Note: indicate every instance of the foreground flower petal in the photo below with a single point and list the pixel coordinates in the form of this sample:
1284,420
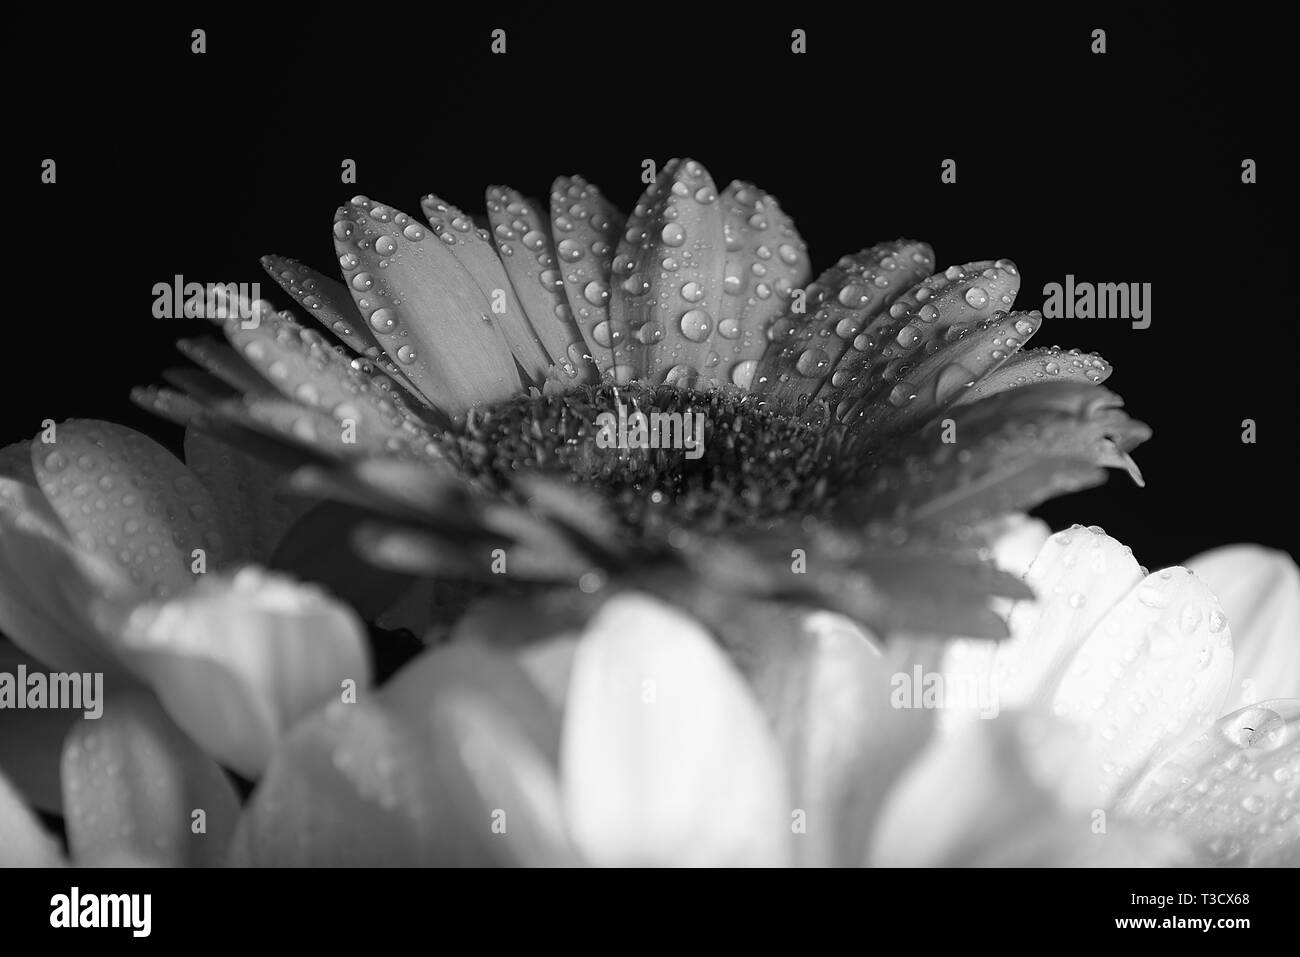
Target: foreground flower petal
976,799
46,588
826,688
23,842
1234,790
1156,666
237,660
666,758
135,785
127,500
1260,592
350,786
33,739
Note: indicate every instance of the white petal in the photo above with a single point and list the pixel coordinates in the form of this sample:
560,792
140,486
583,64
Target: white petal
349,786
132,782
48,592
666,758
494,740
237,660
1260,592
1017,540
1234,790
1156,666
975,799
828,690
505,792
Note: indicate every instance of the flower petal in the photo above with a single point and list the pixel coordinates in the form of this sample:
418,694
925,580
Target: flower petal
766,262
845,303
1012,451
1156,666
128,501
47,592
895,341
133,784
585,227
237,660
662,319
306,369
968,353
1039,365
524,239
1079,575
505,791
251,495
423,307
472,667
32,740
826,687
1260,592
666,756
976,798
350,786
1234,790
473,249
23,841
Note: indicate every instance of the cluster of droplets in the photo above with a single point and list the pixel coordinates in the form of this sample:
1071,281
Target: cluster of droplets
1235,790
528,248
695,276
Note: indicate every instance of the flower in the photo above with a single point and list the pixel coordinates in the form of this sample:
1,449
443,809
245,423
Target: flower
457,410
441,465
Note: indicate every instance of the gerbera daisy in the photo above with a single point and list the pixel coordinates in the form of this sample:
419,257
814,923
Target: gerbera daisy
856,430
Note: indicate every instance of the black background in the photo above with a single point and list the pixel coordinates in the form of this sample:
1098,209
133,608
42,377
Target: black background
1124,167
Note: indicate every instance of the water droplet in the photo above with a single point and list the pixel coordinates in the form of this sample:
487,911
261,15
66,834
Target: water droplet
742,374
673,235
696,325
812,362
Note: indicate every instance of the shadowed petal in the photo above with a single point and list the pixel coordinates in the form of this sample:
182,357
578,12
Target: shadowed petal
33,739
133,785
1008,452
23,842
890,347
253,503
1039,365
666,756
967,354
1260,592
845,303
306,369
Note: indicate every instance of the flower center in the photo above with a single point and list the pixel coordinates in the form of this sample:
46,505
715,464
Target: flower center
712,459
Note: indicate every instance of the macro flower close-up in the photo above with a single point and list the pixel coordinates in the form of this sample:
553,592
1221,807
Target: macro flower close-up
602,510
646,535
